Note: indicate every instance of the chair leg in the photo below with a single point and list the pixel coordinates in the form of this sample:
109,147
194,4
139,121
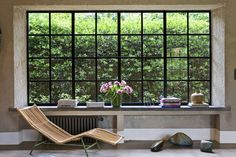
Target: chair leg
82,141
98,146
35,144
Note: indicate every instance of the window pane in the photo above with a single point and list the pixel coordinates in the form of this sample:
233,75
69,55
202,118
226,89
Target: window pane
199,23
130,23
61,90
107,46
153,69
131,69
177,69
136,96
199,69
152,90
107,23
61,46
176,23
85,69
178,89
131,46
39,69
104,50
107,69
61,69
176,46
199,46
84,91
85,23
153,46
39,92
85,46
61,23
39,23
38,46
200,86
153,23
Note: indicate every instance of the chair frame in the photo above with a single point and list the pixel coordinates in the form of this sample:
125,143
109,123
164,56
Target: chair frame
37,120
86,147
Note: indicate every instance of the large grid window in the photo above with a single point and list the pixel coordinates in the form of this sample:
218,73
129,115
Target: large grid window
158,53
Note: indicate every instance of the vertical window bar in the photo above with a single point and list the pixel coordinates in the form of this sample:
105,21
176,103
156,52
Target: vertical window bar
165,53
96,56
210,33
142,93
50,59
73,53
119,45
188,88
27,48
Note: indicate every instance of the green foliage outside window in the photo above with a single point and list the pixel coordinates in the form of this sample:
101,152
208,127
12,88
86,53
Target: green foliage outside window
53,37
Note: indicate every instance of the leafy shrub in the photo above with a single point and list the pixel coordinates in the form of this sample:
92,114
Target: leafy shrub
60,43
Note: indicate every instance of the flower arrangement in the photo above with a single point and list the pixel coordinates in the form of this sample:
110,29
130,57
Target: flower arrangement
115,90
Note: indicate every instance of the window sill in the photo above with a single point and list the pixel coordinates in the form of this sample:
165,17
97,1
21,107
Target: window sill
132,110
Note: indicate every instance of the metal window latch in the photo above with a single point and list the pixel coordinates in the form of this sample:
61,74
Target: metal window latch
235,74
0,36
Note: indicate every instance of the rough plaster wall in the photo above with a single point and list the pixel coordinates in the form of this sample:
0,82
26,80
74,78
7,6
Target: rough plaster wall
110,2
218,57
162,122
169,122
228,119
9,121
20,59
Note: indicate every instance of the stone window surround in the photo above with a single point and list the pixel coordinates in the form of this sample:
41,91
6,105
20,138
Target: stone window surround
218,44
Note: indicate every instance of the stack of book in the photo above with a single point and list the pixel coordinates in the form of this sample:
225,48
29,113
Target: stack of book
171,102
67,103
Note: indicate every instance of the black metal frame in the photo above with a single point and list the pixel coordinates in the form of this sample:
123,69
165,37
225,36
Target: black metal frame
119,57
86,147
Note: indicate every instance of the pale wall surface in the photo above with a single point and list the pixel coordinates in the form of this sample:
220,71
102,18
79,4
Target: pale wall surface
9,120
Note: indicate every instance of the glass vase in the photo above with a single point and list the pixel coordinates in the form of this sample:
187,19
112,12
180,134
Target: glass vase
116,101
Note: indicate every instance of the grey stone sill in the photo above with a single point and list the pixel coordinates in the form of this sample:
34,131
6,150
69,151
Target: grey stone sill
132,108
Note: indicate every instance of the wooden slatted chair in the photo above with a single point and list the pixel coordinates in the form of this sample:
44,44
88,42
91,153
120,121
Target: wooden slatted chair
36,119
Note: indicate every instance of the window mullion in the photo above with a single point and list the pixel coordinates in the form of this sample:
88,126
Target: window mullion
142,92
50,60
165,53
119,45
188,85
96,56
27,47
210,32
73,54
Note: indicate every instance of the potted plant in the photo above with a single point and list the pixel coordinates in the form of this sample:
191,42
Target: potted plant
115,90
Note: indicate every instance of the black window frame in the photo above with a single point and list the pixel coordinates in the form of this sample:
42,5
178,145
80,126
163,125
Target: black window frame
119,58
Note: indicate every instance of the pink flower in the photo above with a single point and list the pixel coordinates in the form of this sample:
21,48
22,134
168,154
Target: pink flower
104,88
110,85
123,83
115,88
120,92
117,83
128,89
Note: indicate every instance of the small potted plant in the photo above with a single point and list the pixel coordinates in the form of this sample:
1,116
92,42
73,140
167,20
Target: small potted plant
115,90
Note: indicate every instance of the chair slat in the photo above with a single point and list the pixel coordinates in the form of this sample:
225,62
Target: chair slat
37,119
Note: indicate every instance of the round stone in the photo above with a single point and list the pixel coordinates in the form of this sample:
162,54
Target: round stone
181,139
157,146
206,146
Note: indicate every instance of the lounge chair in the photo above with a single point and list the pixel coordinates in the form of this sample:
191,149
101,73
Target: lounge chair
36,119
